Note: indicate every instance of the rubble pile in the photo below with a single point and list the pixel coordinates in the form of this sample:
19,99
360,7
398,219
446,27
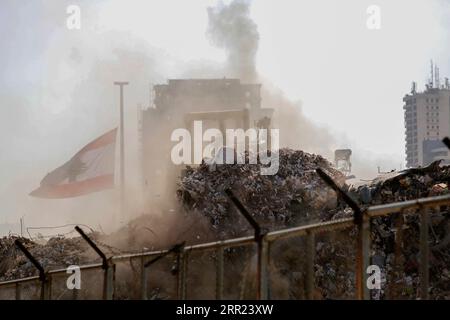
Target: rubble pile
401,259
404,185
297,192
57,252
293,195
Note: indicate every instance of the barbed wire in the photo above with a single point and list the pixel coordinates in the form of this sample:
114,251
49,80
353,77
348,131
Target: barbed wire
57,227
111,249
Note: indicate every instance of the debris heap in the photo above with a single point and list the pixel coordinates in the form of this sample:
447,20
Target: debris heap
395,238
406,185
57,252
294,194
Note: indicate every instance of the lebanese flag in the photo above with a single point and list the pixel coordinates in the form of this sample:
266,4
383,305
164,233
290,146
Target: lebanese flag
90,170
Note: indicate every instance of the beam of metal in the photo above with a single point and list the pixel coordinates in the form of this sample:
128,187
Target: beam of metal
47,288
18,291
109,282
44,279
362,221
32,259
145,265
182,262
424,255
121,84
259,238
363,258
144,280
244,212
390,208
320,227
393,285
342,194
93,246
310,256
219,273
75,294
176,248
108,271
263,269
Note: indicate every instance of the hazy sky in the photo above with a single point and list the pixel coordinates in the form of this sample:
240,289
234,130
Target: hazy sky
56,88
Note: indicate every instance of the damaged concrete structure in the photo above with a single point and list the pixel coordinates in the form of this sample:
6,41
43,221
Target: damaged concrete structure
218,103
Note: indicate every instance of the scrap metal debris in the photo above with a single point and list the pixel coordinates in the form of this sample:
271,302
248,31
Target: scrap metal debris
296,195
395,238
57,252
293,195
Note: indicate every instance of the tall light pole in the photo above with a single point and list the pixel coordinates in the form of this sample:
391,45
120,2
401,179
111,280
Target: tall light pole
121,84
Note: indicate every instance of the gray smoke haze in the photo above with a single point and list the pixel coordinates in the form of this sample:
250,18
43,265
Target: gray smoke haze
72,100
231,29
57,98
57,94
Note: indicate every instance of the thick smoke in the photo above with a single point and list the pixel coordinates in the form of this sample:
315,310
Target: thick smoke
75,100
231,29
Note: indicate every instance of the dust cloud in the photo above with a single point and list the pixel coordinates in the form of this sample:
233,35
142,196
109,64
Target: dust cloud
75,101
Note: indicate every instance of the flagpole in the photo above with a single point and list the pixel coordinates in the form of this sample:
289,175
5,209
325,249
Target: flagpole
121,84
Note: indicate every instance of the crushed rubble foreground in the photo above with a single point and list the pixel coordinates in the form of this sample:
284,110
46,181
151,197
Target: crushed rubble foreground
55,253
296,195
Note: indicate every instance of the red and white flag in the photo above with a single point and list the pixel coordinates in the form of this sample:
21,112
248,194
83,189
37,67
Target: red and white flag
90,170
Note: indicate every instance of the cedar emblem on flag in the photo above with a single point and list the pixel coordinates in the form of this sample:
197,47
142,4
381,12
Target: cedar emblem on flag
90,170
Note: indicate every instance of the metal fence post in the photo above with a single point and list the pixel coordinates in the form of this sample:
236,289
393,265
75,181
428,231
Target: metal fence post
424,254
363,258
261,268
18,291
43,277
47,288
144,276
398,254
144,280
182,261
109,280
219,273
362,221
109,269
75,294
310,255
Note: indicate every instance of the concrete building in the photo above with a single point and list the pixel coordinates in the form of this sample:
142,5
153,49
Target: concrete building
207,94
427,122
218,103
